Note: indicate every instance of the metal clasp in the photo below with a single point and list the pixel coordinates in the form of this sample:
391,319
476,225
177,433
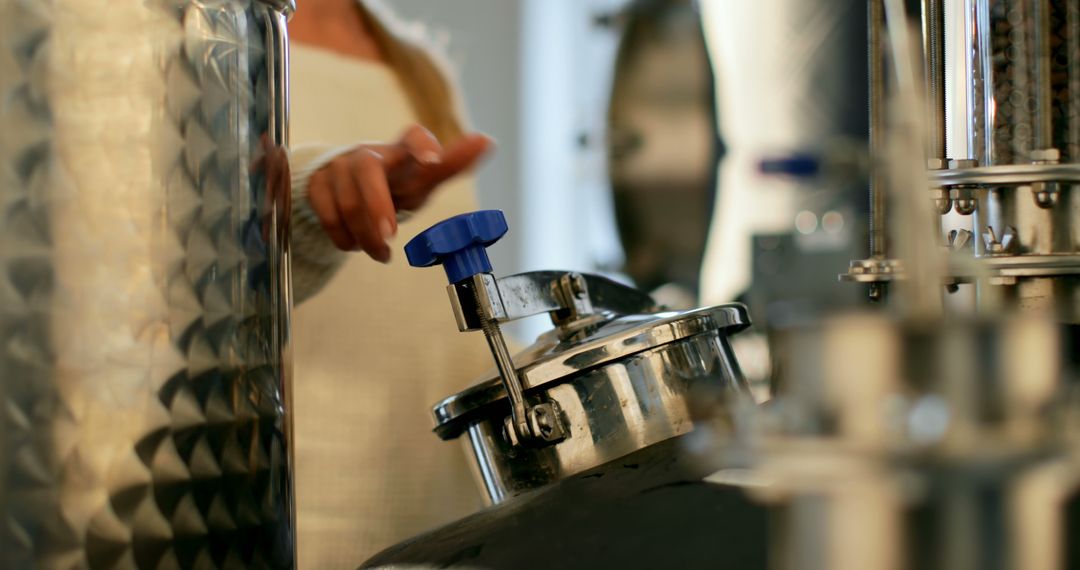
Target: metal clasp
572,300
540,424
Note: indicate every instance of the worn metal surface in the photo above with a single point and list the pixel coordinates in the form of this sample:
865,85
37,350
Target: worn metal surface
143,285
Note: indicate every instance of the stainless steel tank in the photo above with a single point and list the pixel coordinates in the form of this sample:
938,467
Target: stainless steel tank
627,383
656,107
613,377
144,289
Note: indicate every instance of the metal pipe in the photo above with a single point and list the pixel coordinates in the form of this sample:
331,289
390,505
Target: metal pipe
878,243
1042,89
503,361
917,227
934,29
1072,27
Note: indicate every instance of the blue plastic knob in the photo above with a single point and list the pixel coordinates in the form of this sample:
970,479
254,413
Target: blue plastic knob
459,244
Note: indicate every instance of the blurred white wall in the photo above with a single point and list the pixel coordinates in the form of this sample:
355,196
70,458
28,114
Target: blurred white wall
483,38
567,68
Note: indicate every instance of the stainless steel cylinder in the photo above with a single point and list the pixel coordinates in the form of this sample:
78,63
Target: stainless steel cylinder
631,383
144,290
1024,82
1025,74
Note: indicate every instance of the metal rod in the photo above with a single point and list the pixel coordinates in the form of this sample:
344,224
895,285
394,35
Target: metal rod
505,364
917,226
878,244
934,29
1072,27
1042,87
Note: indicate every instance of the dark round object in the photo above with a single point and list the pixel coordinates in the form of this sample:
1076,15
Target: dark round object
650,509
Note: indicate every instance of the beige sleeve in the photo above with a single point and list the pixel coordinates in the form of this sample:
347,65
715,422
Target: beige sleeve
315,258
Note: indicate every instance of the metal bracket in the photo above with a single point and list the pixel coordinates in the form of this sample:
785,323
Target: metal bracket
484,302
546,426
566,296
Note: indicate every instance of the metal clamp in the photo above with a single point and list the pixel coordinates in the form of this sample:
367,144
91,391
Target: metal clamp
568,297
573,300
482,302
539,424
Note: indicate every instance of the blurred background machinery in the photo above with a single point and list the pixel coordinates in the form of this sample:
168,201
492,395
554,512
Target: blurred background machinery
939,429
664,146
923,417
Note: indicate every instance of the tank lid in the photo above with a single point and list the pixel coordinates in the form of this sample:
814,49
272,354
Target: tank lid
551,360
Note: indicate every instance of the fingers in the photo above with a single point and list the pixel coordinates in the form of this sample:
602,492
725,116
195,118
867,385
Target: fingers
367,205
416,146
459,157
412,184
357,194
323,200
422,146
351,198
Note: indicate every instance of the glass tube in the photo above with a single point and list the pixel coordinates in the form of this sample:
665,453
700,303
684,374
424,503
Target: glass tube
1025,80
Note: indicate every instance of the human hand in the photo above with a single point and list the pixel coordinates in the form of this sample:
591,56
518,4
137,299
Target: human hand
357,195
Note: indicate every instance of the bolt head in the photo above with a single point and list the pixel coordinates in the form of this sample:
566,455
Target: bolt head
1046,194
966,207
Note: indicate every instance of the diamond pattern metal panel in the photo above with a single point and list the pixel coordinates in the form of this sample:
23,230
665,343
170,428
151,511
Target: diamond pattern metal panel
142,279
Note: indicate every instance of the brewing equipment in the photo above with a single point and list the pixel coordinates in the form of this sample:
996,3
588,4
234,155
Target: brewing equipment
144,290
932,434
613,377
922,432
1013,182
885,446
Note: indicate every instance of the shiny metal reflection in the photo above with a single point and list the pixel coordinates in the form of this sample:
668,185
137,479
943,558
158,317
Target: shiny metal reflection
144,290
675,368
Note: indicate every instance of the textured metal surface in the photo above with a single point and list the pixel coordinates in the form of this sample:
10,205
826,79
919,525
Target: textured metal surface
143,285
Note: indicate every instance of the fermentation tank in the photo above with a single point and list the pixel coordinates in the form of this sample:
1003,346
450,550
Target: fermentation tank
144,289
